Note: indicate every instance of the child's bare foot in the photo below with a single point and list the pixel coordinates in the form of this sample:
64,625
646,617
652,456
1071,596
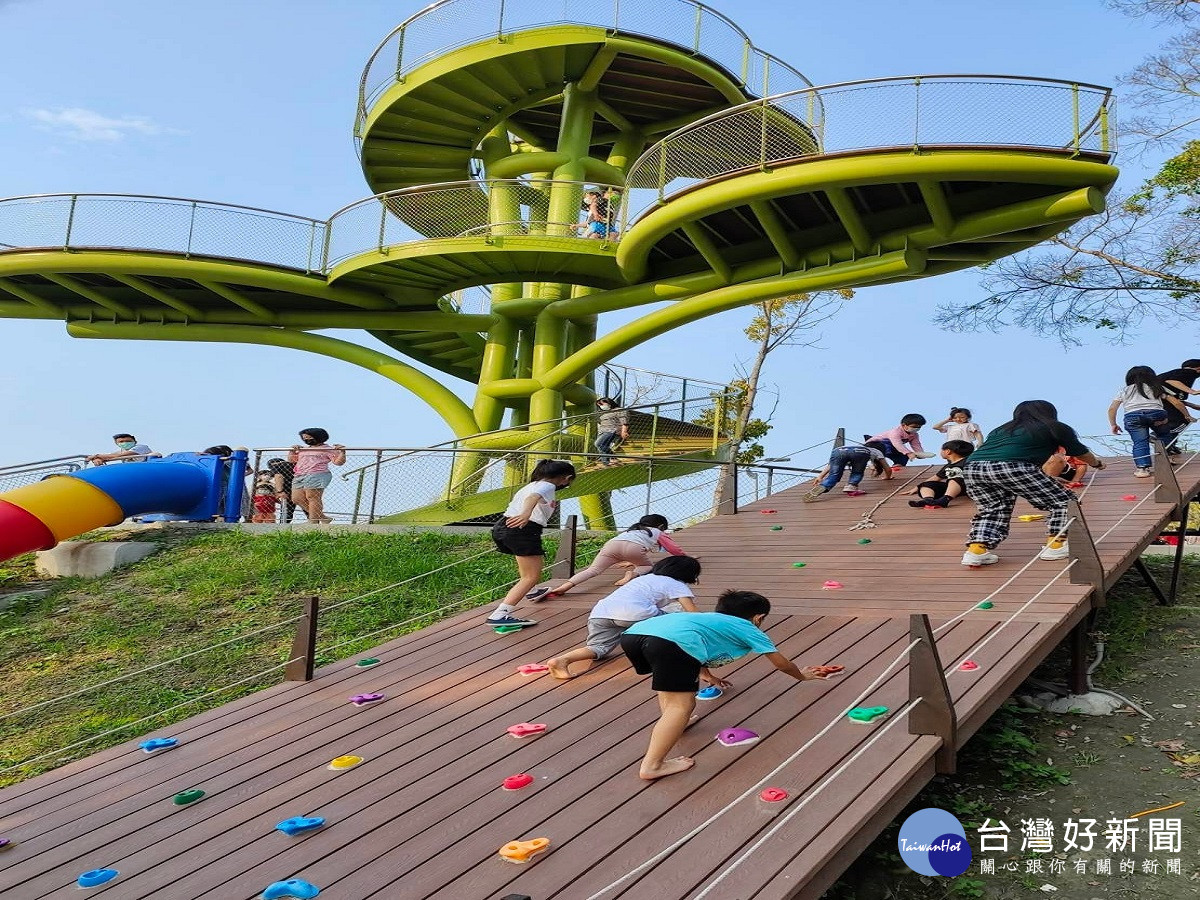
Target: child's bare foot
624,580
559,669
668,767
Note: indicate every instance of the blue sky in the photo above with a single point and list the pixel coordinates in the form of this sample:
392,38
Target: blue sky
253,103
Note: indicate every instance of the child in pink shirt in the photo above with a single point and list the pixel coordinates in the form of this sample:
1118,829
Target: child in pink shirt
900,444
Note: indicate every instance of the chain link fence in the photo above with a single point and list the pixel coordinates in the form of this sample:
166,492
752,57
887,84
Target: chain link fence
906,113
451,24
12,477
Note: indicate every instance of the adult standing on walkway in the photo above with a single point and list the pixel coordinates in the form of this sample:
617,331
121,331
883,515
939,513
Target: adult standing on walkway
612,430
1008,466
312,475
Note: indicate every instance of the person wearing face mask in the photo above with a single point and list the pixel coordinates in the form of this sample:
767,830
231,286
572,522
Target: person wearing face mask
128,450
312,475
613,429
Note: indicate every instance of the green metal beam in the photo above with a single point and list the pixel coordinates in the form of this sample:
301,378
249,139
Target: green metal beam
237,299
709,250
453,411
114,306
776,233
850,218
145,287
32,299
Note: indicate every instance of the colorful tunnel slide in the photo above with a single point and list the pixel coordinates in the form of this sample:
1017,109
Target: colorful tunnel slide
183,486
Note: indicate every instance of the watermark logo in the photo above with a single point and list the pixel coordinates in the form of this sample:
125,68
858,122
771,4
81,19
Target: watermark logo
933,842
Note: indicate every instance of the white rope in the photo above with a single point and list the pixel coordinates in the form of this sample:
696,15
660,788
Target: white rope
161,712
1148,497
667,851
128,675
457,562
866,520
811,795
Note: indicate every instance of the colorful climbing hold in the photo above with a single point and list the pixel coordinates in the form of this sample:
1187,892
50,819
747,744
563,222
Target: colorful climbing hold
533,669
986,604
1129,497
507,629
4,842
968,665
300,824
1031,517
367,663
799,565
867,715
157,745
777,528
855,493
516,782
293,887
831,585
864,540
525,729
524,851
737,737
96,877
712,692
364,699
342,763
183,798
768,512
773,795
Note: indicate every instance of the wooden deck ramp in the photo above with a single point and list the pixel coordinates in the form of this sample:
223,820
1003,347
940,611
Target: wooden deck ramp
424,815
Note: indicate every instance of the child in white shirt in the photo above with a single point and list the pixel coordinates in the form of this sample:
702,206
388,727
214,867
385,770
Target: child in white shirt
958,427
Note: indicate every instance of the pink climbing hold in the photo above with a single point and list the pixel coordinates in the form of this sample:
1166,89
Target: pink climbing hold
526,729
1129,497
969,665
533,669
773,795
516,782
831,585
855,493
768,512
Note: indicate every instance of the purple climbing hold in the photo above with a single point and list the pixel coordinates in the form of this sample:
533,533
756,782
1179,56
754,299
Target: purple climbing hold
364,699
736,737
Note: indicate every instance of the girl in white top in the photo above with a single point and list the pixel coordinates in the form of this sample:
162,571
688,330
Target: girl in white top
644,597
519,533
1144,400
631,549
958,427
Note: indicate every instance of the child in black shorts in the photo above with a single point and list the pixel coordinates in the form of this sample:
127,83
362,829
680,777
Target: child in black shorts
677,650
948,482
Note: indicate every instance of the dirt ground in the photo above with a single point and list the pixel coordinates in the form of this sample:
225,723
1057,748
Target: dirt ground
1077,767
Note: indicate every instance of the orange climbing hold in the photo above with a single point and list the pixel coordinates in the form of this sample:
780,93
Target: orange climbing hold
524,851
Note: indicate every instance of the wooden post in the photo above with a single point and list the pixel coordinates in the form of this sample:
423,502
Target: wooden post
935,713
1185,513
1164,477
839,439
304,645
1087,569
568,544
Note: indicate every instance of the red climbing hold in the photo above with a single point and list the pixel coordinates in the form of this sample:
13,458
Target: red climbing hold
773,795
969,665
1129,497
768,512
525,729
516,782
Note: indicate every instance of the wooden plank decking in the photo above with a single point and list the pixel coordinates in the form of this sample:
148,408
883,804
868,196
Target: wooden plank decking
424,815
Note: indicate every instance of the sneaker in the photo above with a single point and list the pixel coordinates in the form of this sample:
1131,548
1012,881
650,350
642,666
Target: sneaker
916,504
925,455
509,621
852,489
1048,552
538,594
975,560
941,502
814,494
1142,473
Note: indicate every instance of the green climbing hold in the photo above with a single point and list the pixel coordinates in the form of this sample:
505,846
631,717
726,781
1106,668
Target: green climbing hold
986,604
366,663
864,540
777,528
798,565
183,798
867,714
507,629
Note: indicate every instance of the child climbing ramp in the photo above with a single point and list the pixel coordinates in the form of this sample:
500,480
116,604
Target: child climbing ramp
632,549
646,596
856,459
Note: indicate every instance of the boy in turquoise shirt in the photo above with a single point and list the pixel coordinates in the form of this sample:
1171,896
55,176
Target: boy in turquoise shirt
677,650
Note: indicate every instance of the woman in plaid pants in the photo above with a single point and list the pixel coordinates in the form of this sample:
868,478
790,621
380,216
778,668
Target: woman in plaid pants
1008,466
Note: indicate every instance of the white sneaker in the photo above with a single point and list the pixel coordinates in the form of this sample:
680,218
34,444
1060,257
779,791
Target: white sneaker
975,560
1142,473
1048,552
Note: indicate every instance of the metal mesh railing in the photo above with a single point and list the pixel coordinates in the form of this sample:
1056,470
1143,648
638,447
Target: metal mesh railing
912,112
495,207
165,224
450,24
21,474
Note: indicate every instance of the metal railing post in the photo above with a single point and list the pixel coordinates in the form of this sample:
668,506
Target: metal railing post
917,115
375,487
653,431
500,22
187,253
696,35
304,644
935,713
70,222
358,492
1075,114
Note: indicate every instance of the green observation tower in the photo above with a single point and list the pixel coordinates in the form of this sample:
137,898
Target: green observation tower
725,178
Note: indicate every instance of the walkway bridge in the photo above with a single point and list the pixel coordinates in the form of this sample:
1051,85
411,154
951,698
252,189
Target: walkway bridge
424,815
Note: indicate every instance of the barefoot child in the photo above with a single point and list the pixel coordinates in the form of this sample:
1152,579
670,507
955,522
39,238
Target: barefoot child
631,548
679,649
644,597
948,482
519,533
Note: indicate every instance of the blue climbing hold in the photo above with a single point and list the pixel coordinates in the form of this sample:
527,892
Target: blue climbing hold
293,887
96,877
712,692
155,744
298,824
